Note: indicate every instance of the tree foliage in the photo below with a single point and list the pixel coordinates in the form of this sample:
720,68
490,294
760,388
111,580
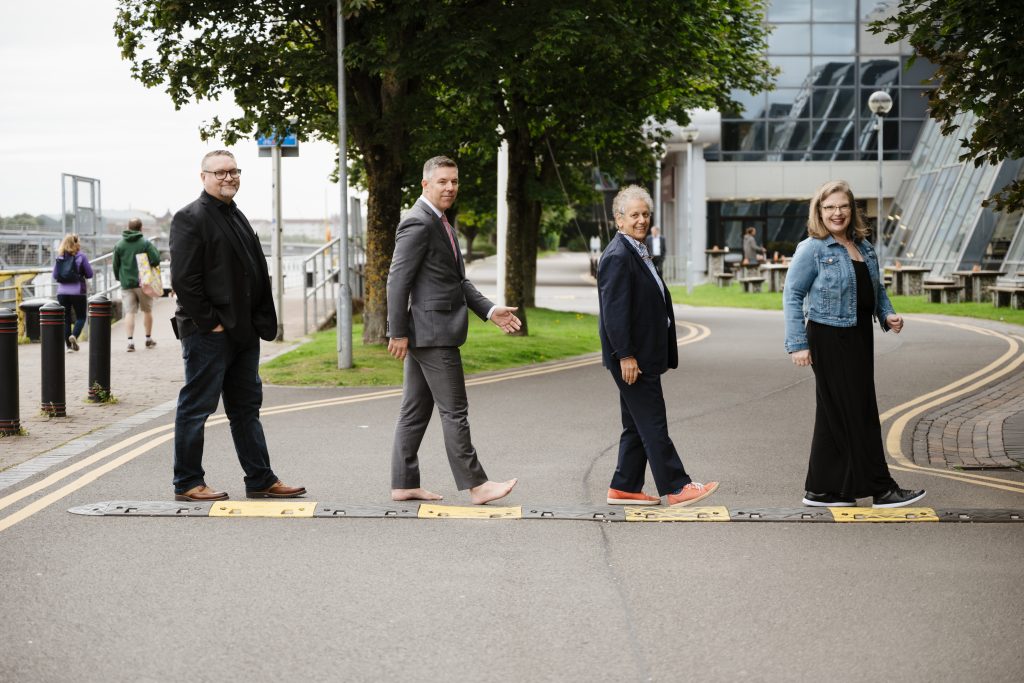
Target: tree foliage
976,45
570,84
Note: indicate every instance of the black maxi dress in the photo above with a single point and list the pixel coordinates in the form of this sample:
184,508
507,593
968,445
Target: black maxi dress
847,456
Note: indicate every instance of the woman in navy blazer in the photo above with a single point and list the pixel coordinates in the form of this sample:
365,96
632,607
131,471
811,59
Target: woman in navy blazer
638,344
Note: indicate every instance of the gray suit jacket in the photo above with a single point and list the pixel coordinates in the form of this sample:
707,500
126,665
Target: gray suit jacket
428,292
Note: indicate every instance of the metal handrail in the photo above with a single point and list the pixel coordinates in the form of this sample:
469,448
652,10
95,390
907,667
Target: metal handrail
321,271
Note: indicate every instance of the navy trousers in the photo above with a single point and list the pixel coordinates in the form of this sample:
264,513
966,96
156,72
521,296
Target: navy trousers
215,367
645,438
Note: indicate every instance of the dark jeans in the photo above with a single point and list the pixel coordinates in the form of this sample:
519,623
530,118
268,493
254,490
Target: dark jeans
74,309
216,366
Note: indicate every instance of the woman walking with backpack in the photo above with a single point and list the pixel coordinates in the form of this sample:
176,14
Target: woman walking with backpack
70,270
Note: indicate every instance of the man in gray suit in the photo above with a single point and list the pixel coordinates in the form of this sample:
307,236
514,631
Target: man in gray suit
428,295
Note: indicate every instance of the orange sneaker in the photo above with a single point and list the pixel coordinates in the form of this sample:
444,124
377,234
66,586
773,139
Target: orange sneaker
691,493
617,497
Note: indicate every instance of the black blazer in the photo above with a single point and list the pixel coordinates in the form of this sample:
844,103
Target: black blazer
210,273
428,292
633,316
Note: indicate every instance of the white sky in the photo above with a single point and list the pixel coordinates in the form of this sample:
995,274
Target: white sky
68,104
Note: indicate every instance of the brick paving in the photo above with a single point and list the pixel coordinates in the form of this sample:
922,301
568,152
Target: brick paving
970,433
145,384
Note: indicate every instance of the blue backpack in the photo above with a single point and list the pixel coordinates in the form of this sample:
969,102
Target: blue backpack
67,272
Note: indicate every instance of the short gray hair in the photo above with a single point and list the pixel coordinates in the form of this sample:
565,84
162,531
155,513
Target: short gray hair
215,153
628,194
435,163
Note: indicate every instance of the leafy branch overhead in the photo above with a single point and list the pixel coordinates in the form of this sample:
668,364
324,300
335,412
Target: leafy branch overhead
977,47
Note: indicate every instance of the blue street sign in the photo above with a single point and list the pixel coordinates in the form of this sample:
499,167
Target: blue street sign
290,140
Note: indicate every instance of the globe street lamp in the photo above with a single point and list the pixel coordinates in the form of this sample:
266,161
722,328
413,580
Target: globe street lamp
879,103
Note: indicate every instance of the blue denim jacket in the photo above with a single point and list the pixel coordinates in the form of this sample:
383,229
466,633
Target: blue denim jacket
821,286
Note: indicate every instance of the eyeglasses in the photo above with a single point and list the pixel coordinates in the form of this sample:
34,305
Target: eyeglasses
841,208
220,175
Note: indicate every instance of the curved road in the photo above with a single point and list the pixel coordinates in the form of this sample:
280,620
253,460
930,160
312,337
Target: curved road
154,599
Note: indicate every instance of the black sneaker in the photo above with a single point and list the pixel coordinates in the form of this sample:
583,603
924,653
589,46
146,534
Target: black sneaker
897,498
827,500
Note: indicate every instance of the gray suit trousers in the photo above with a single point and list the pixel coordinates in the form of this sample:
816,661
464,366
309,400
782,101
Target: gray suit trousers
434,376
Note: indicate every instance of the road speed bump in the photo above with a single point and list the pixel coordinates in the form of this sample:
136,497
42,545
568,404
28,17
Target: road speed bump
671,514
475,512
884,514
248,508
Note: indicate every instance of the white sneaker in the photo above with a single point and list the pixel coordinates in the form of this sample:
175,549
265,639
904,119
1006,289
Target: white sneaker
73,342
131,347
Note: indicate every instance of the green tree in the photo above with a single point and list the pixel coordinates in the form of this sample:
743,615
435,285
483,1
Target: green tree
279,60
578,79
976,45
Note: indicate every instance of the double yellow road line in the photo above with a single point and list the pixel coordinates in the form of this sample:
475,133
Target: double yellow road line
902,415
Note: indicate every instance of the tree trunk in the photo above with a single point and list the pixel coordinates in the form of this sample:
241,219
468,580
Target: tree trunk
383,209
520,172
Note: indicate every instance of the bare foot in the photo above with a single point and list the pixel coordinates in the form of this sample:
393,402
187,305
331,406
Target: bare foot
414,494
491,490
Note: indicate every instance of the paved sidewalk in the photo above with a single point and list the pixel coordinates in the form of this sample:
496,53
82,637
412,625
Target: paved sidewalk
145,384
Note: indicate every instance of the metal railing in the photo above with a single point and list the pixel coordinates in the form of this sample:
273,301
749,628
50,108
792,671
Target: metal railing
320,281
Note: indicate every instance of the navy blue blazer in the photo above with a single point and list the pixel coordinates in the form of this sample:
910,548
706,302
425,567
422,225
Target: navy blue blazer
633,315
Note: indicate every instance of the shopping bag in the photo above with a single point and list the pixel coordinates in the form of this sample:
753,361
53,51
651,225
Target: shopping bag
149,277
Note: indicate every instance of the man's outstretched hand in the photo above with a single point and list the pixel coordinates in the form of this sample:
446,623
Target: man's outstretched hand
504,318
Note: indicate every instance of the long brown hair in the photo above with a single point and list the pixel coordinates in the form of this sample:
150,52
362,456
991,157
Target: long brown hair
69,246
856,230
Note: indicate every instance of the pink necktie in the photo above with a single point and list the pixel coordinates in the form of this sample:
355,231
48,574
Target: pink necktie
448,228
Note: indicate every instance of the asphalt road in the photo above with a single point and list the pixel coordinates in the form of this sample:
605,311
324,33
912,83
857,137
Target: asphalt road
155,599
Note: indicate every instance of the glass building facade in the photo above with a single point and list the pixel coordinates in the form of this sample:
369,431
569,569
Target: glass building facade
937,219
829,64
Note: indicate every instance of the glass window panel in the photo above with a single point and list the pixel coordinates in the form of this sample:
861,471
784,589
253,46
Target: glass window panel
833,103
789,10
834,135
913,103
752,105
871,43
743,135
834,10
879,71
909,132
789,39
789,135
740,208
790,207
837,39
920,73
794,71
782,234
788,103
834,70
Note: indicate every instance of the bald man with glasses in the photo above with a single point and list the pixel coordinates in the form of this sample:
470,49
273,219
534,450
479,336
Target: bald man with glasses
225,307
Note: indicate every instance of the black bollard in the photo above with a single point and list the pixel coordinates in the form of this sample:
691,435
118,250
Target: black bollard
99,348
51,334
10,418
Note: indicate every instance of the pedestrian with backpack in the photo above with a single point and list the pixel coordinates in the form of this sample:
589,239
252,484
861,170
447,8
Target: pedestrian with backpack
71,269
126,270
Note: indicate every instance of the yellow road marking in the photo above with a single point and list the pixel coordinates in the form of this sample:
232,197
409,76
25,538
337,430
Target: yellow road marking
252,508
884,514
1011,360
462,512
714,513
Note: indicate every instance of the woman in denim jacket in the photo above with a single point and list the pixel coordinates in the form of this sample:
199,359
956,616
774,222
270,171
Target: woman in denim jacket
833,284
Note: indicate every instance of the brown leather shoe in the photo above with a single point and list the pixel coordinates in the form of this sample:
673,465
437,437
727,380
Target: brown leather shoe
201,494
278,490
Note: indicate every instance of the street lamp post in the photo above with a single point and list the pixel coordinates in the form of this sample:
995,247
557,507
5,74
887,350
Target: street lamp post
879,103
690,134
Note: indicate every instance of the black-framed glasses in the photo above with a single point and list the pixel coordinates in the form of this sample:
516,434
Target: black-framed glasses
221,175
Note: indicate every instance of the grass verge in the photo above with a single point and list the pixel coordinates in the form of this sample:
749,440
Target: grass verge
733,296
553,335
